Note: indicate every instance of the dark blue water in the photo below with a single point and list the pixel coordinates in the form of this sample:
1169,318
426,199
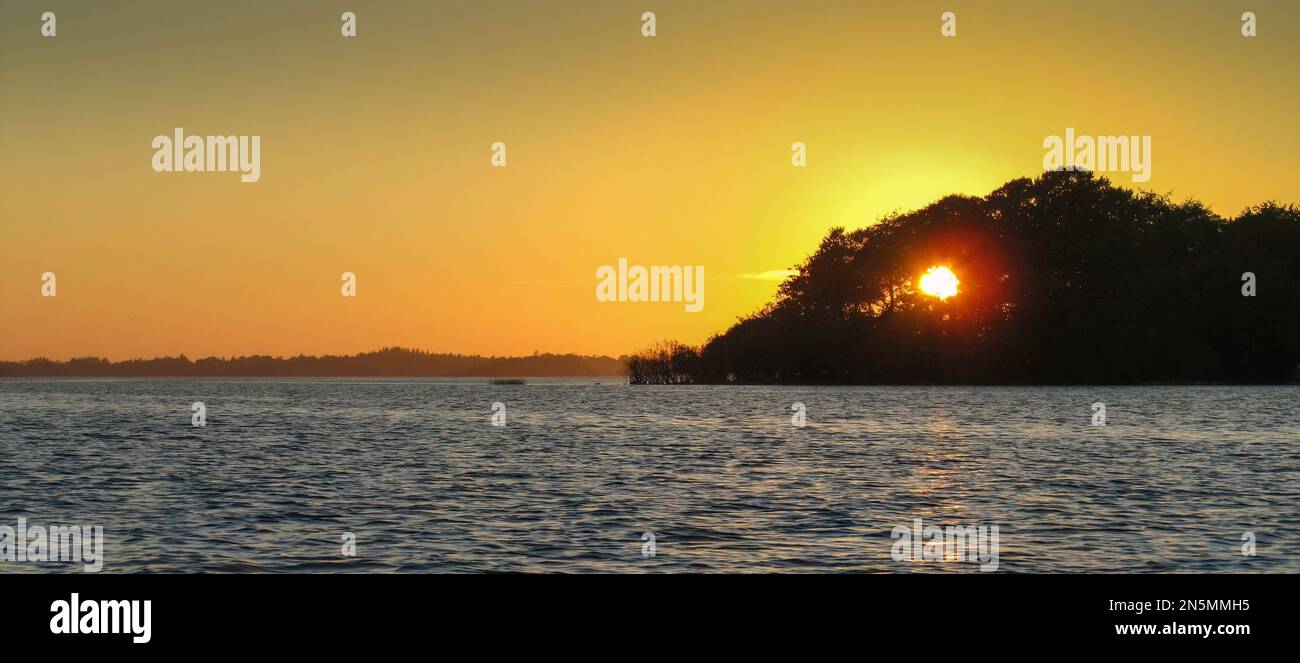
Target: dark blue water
720,475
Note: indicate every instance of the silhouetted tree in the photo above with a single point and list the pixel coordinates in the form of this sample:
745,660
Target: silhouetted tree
1064,279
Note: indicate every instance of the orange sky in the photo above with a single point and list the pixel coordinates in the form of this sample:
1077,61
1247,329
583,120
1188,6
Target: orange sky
666,150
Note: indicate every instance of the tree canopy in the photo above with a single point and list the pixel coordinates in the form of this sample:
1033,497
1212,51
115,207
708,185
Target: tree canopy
1063,279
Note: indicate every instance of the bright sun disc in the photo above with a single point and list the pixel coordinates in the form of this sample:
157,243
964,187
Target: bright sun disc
939,281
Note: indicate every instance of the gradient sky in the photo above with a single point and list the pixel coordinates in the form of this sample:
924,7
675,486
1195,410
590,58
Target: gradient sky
668,150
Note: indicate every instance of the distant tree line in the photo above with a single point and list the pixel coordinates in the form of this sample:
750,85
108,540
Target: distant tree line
388,362
1064,279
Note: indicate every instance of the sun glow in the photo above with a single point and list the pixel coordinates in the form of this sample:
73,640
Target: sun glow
939,281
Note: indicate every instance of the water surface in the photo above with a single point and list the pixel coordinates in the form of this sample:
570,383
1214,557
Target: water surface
719,474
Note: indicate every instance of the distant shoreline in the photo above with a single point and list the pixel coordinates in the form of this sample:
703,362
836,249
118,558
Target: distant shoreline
385,363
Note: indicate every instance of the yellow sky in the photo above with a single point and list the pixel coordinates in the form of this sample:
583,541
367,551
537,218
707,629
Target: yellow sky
666,150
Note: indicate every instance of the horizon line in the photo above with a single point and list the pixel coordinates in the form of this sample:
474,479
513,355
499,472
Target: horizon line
391,348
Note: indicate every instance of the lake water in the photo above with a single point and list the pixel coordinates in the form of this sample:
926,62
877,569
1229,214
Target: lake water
720,475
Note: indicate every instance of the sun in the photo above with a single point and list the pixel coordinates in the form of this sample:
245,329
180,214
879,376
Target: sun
939,281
